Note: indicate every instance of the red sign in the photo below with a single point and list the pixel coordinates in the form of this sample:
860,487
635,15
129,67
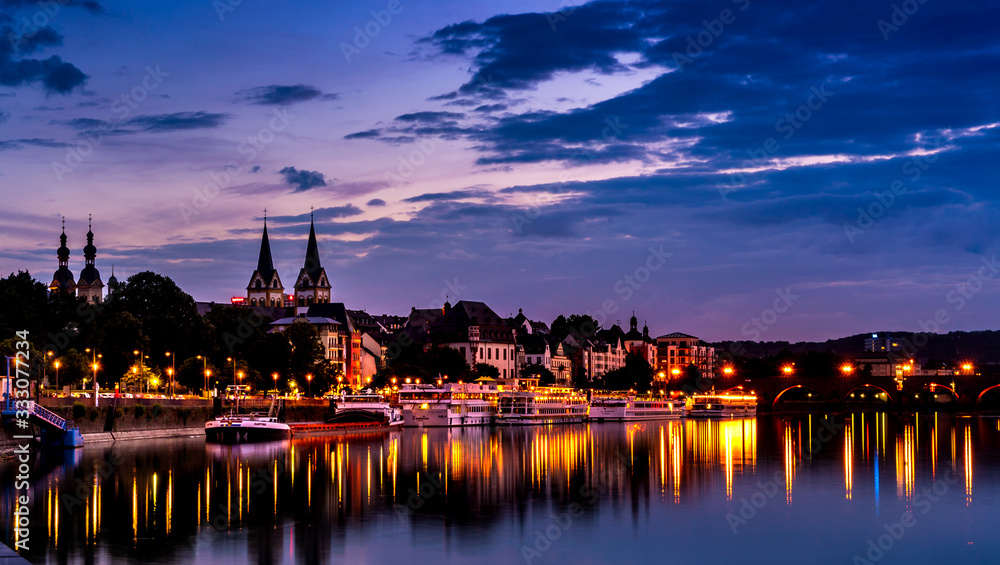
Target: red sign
237,299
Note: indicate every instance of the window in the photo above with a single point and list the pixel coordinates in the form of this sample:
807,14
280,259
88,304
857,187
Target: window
505,354
258,283
489,353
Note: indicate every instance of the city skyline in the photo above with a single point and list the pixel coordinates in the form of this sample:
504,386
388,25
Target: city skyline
534,158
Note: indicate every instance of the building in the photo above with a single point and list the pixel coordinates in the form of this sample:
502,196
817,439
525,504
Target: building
562,363
676,351
265,288
312,285
884,344
62,279
640,343
474,329
90,287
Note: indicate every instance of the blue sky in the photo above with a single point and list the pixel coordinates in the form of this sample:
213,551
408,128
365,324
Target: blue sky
531,155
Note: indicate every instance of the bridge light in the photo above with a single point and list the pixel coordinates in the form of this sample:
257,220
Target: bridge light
727,370
787,369
847,368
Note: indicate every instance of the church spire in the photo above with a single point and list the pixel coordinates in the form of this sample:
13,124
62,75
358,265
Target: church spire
312,264
265,288
62,279
312,286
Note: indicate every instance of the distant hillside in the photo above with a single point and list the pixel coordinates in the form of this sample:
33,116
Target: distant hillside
982,347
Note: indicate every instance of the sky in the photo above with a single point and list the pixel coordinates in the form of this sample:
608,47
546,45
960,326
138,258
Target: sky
732,170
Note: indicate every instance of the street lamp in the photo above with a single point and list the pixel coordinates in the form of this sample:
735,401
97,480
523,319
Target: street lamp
275,377
171,370
727,370
94,357
309,377
787,369
205,371
967,367
847,369
233,359
57,373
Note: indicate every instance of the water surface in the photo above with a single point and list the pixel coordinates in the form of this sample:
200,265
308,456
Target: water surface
803,489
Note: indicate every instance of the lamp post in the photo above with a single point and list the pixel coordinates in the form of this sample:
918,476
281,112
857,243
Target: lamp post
274,376
309,378
56,363
233,359
45,367
171,371
205,372
94,357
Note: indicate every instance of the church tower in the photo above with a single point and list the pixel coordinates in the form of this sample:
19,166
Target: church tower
113,284
265,288
312,286
62,279
90,286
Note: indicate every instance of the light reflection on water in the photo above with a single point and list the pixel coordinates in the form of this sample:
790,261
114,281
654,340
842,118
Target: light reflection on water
771,489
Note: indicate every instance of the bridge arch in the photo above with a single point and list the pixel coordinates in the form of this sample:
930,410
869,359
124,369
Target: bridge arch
867,385
793,387
980,397
946,387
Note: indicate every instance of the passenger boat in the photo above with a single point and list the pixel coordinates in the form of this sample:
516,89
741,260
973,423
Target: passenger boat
632,407
352,408
542,405
454,404
244,428
722,405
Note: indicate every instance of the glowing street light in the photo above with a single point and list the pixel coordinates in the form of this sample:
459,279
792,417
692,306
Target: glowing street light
787,369
847,368
274,376
967,367
727,370
56,363
309,378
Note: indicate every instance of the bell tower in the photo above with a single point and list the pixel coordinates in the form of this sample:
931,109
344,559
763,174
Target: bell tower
312,285
265,288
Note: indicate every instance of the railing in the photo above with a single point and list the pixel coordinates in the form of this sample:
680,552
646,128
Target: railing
49,416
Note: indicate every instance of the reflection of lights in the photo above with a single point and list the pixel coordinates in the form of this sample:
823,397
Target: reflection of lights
905,456
968,465
789,464
848,463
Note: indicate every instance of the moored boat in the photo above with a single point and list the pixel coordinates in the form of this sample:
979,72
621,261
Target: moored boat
244,428
356,408
542,405
722,405
454,404
631,407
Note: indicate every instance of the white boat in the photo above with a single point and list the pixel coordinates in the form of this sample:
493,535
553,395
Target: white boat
454,404
542,405
722,405
365,408
631,408
245,428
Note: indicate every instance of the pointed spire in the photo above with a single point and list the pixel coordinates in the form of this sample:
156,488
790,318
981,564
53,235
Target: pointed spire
265,266
312,264
63,251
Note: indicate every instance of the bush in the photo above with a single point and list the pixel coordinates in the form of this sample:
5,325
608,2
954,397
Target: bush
157,410
139,410
78,410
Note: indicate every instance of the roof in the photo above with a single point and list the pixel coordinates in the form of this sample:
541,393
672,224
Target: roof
310,319
265,265
335,310
469,313
533,344
677,335
90,276
312,265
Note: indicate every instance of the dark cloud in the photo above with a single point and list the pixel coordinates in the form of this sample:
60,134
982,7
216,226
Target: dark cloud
320,214
302,180
278,95
368,134
453,195
375,202
429,117
149,123
8,144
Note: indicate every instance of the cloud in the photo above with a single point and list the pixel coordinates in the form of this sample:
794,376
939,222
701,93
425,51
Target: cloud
153,123
278,95
367,134
321,214
9,144
449,196
302,180
375,202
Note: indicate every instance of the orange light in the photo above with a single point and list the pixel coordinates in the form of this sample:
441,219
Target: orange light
847,368
727,370
787,369
967,367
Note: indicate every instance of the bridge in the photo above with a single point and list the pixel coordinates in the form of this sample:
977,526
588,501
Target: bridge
967,391
55,431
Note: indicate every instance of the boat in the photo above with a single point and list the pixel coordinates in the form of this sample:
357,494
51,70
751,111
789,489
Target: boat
244,428
453,404
542,405
722,405
632,407
354,408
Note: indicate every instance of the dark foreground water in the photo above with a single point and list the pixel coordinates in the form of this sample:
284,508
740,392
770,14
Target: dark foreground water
845,489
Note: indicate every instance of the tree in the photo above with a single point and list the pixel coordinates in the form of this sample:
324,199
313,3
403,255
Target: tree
579,326
487,370
435,363
537,370
636,374
692,378
308,354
